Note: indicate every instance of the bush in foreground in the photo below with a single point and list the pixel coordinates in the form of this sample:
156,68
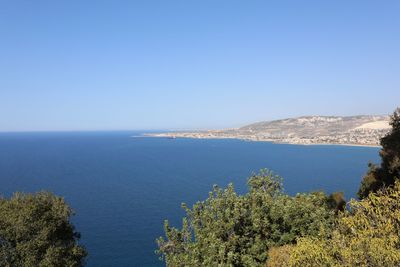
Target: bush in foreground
228,229
35,231
365,235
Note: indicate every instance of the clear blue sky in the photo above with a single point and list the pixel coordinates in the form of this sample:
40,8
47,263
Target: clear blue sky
104,65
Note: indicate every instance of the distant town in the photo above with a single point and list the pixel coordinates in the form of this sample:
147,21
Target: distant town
365,130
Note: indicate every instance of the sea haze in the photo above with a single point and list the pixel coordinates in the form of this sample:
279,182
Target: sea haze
122,188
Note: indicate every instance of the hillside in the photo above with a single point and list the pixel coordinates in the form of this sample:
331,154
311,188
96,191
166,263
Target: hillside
351,130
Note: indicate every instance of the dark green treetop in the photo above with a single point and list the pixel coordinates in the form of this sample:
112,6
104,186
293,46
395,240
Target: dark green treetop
35,230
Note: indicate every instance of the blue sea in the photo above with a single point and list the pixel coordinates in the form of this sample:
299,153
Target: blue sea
123,187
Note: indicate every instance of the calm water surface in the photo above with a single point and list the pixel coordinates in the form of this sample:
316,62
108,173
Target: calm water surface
122,188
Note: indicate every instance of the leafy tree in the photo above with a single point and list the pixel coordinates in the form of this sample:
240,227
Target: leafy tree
389,169
228,229
35,231
366,235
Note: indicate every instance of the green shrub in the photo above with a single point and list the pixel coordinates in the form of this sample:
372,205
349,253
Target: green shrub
35,231
228,229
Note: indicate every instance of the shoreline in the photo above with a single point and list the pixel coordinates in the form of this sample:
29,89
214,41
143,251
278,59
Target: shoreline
174,136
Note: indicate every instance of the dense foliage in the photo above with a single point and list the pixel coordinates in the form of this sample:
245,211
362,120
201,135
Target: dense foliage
368,232
228,229
366,235
35,231
267,227
389,170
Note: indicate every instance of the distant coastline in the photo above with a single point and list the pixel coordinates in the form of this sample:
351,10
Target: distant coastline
363,130
174,135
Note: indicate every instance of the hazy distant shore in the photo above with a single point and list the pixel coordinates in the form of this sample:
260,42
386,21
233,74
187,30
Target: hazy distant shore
173,135
363,130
